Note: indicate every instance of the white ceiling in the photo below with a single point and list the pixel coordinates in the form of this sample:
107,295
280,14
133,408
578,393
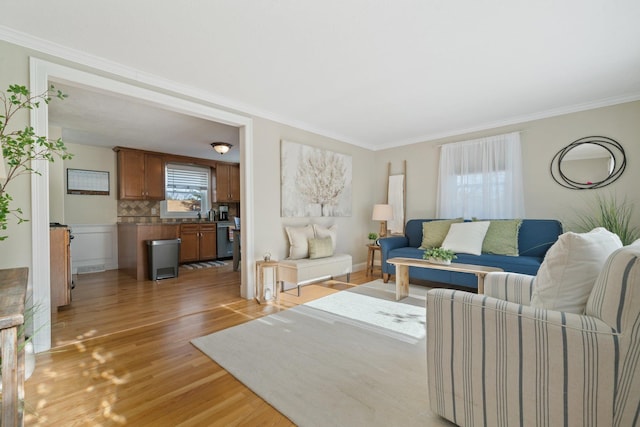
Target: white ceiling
374,73
97,118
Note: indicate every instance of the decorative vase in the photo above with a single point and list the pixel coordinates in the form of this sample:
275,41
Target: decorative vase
439,261
29,360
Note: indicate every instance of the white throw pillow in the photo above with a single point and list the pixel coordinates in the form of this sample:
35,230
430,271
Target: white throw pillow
466,237
299,241
570,269
322,232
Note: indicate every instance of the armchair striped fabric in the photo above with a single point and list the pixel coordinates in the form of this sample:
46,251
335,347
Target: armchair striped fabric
495,361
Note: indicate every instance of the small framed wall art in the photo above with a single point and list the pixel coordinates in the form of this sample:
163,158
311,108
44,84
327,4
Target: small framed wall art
81,181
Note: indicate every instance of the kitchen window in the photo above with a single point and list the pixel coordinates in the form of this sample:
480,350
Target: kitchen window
187,191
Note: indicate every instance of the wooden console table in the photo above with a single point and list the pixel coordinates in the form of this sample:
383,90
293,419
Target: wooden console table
13,290
402,272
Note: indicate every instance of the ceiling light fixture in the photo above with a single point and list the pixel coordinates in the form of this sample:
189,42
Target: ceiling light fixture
221,147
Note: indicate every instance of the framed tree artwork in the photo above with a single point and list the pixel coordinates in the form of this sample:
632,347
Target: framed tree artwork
314,182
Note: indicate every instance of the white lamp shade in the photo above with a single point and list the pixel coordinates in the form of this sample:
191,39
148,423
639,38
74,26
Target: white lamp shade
382,213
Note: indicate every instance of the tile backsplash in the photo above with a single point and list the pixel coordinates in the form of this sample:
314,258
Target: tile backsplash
149,211
139,211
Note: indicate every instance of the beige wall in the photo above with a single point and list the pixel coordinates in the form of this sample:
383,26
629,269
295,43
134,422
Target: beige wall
541,140
56,183
81,209
16,250
84,209
270,235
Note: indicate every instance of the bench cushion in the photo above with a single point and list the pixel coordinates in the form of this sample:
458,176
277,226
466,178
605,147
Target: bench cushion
302,271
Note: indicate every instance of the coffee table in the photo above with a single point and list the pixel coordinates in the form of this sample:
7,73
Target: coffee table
402,272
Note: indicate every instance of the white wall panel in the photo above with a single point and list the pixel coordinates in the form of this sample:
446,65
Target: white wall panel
94,247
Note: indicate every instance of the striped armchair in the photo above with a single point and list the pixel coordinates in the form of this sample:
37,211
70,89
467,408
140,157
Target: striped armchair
495,361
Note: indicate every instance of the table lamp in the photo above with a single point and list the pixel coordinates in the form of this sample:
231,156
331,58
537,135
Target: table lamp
382,213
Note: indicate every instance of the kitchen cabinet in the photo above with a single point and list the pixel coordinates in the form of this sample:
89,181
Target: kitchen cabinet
198,242
60,268
227,182
140,175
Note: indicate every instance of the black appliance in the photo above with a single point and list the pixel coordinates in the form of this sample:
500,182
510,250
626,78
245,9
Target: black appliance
223,212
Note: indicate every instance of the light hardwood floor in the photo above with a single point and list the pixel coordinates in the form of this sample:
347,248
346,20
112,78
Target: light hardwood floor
122,353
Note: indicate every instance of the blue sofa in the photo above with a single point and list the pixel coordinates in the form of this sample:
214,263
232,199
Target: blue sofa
534,240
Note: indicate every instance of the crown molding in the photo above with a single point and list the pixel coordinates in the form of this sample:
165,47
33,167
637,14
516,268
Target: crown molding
576,108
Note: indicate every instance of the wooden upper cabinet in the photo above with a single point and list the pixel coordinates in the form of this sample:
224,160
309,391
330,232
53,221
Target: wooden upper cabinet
227,182
154,175
140,175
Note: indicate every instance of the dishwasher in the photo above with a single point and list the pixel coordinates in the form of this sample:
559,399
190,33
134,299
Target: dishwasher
224,239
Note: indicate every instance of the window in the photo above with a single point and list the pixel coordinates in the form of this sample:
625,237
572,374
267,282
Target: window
481,178
187,191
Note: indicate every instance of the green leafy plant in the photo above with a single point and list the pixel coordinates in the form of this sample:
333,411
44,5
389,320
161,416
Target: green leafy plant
20,147
611,214
439,254
373,236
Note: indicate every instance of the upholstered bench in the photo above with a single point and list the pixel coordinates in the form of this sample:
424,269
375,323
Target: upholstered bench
308,270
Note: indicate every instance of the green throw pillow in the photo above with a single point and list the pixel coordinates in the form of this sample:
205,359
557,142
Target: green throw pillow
434,232
502,237
320,248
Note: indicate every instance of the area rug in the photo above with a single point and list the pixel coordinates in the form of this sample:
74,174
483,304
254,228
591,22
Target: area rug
324,364
204,264
371,304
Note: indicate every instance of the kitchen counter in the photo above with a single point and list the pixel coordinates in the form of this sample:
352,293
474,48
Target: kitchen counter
202,221
132,244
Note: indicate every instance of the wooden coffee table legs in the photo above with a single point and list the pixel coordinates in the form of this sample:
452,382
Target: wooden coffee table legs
402,272
402,281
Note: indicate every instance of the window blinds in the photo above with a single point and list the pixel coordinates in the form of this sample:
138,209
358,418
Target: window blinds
184,177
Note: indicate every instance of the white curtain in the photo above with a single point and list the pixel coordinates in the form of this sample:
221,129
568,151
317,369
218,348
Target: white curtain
481,178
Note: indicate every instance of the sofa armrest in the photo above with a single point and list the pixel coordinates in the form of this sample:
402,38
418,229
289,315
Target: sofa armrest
512,287
492,362
389,243
393,242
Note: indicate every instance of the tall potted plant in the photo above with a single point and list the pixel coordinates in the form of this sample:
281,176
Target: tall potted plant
612,214
20,147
